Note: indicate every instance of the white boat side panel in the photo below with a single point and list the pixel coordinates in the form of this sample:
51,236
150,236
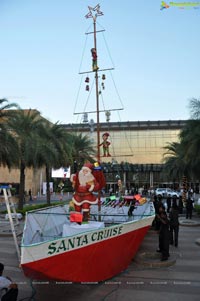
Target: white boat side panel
67,244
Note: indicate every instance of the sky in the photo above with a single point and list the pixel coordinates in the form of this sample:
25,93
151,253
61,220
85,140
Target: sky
154,53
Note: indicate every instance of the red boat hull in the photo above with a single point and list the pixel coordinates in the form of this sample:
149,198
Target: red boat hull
92,263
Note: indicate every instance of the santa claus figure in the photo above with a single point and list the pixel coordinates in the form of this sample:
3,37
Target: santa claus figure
84,184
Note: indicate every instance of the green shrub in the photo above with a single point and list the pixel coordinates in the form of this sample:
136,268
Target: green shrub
197,208
13,190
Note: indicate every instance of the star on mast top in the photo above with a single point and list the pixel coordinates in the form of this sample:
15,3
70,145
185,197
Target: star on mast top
94,12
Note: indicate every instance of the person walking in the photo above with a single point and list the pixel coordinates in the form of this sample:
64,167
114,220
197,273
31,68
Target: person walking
164,234
189,206
169,199
174,224
157,205
180,204
30,195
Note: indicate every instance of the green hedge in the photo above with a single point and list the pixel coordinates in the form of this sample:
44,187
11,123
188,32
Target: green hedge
197,208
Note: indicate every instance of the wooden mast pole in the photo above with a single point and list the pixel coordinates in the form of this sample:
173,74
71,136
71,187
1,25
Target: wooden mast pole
97,95
93,13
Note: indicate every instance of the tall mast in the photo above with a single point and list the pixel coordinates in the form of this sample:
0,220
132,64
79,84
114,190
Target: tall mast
97,97
94,12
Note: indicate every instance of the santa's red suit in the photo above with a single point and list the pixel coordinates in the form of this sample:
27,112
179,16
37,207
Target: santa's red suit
84,184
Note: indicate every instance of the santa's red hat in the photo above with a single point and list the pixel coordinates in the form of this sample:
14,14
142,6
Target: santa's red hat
88,166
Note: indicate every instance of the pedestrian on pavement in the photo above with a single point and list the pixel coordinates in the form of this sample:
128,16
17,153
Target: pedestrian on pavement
30,195
160,198
169,199
174,224
189,206
8,289
157,205
180,204
174,200
164,234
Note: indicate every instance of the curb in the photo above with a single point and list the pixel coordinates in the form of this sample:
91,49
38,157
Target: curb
5,234
198,241
152,260
189,223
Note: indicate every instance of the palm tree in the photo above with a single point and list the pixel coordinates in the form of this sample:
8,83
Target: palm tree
190,137
54,150
83,149
26,127
5,111
175,165
57,148
184,158
194,106
8,149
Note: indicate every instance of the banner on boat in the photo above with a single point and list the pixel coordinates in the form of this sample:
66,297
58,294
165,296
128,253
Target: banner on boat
82,240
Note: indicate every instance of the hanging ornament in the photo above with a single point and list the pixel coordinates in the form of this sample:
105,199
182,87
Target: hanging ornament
87,88
85,117
107,113
100,92
87,80
103,76
103,87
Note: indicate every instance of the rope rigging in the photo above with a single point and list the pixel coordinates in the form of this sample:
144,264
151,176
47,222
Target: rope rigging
103,91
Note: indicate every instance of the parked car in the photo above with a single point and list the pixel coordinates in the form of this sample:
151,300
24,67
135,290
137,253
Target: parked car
165,192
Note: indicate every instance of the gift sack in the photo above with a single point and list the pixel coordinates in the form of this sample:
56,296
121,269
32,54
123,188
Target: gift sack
76,217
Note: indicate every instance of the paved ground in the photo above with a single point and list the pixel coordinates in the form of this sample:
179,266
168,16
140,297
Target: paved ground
178,279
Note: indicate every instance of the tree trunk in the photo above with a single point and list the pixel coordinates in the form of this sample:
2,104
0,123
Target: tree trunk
48,185
21,187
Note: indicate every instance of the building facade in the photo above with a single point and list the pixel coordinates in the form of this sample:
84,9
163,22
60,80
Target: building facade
136,150
34,179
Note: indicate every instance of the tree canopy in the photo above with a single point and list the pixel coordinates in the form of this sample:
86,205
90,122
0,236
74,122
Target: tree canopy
30,141
183,158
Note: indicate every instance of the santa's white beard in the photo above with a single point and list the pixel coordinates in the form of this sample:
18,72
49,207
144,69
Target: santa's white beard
85,178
